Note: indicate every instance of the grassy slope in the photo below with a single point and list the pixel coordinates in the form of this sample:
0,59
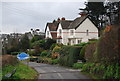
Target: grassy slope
22,71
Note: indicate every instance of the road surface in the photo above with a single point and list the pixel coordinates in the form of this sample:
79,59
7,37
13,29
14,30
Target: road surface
47,71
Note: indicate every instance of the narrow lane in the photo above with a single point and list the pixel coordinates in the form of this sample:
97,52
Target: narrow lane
47,71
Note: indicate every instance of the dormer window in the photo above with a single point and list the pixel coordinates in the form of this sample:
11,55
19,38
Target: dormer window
87,32
71,32
60,32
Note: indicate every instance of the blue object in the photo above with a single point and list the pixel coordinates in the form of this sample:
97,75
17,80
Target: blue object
23,56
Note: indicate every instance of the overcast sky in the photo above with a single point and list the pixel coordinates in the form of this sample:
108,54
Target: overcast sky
20,17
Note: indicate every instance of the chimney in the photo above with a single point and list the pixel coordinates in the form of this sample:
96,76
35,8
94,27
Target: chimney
58,19
83,14
63,18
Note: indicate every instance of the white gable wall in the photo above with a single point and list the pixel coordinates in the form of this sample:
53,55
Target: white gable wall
64,35
80,32
46,35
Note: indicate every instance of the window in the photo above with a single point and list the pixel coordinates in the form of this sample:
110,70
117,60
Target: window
73,42
71,32
87,33
79,41
47,33
60,32
59,41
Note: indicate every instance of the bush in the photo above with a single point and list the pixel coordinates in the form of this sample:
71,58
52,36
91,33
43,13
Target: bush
55,55
108,47
31,53
56,49
89,52
9,60
73,55
103,71
82,54
55,61
33,59
81,44
69,55
44,53
78,65
15,53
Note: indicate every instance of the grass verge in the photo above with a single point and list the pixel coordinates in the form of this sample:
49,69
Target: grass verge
22,72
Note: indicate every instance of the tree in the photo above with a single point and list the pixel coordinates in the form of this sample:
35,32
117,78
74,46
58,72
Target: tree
48,43
24,43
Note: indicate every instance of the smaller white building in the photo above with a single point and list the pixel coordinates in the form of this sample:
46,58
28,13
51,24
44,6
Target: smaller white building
51,30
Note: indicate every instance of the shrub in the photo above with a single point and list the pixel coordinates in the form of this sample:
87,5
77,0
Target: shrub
82,54
56,49
89,52
55,61
78,65
15,53
9,60
44,53
81,44
64,50
69,55
31,53
102,71
33,59
54,55
108,47
73,55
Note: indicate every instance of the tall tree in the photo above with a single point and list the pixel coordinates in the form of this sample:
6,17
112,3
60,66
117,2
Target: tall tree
24,43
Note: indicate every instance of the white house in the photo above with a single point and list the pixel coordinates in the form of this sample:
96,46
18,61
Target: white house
82,29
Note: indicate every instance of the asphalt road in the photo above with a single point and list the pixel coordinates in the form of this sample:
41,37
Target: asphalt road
47,71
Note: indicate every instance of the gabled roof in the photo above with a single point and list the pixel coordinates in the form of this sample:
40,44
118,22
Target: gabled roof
77,22
52,26
65,23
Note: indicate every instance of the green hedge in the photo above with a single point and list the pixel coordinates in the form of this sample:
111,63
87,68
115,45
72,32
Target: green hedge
69,55
102,71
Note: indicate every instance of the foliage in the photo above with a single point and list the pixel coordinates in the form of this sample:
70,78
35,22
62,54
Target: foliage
108,47
64,50
44,53
69,55
24,43
55,55
55,44
31,53
103,71
78,65
56,49
89,52
33,59
48,43
54,61
15,53
9,60
81,44
36,38
73,55
82,53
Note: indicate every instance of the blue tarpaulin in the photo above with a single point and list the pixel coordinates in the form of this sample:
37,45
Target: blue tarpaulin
23,56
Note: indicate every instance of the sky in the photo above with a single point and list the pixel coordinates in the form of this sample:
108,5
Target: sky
20,17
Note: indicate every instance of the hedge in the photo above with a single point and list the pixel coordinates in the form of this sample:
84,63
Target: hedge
69,56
